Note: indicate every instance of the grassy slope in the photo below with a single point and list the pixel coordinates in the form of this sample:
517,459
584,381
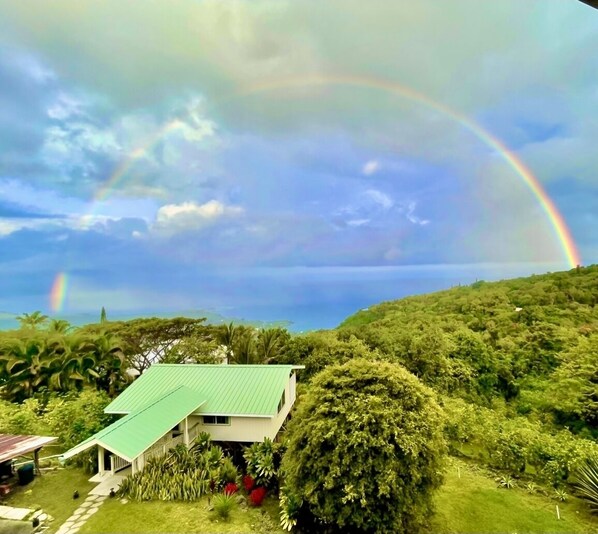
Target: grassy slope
473,503
53,492
114,517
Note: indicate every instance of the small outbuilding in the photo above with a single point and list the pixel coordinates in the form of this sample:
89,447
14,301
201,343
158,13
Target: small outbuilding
17,446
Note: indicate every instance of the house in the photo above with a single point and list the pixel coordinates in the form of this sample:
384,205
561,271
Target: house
171,404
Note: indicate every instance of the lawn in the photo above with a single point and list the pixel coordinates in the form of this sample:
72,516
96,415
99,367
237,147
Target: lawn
53,492
470,503
159,516
473,503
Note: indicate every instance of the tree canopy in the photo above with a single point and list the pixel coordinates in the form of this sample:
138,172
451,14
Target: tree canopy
365,449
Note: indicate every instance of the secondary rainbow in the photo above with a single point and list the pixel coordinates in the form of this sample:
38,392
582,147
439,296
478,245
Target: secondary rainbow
58,291
144,148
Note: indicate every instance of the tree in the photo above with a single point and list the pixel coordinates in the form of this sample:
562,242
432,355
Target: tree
148,341
270,343
32,320
227,335
103,318
59,326
365,450
23,364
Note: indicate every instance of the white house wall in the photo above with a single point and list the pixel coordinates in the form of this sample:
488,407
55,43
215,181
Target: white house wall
250,429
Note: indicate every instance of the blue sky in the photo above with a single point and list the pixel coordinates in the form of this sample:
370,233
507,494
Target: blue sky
304,202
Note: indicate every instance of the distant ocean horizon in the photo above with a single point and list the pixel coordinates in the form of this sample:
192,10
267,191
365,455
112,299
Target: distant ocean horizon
314,299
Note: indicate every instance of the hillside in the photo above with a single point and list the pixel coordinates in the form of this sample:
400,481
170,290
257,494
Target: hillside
530,341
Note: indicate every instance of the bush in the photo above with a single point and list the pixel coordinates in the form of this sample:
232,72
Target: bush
181,475
230,489
263,461
365,450
248,483
587,482
257,496
223,505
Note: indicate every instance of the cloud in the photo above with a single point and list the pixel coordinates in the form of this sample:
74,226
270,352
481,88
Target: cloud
411,217
370,167
190,216
380,198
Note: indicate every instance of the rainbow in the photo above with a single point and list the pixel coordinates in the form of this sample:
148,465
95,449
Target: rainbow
123,168
557,221
58,291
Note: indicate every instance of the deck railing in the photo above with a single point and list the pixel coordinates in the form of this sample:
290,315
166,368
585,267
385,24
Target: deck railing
161,447
117,463
194,432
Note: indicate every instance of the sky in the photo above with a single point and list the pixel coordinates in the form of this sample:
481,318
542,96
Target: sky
291,160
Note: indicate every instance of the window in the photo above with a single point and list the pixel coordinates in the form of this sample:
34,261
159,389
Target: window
216,420
281,402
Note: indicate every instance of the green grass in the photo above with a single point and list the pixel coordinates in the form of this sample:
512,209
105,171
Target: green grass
53,492
15,527
469,504
160,516
473,503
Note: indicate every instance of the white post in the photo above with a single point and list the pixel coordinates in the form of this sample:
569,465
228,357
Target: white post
100,460
186,434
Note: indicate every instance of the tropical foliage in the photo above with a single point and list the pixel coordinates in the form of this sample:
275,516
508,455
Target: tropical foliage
182,475
55,359
365,449
587,482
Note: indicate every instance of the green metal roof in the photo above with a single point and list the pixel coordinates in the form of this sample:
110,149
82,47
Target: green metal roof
228,389
130,436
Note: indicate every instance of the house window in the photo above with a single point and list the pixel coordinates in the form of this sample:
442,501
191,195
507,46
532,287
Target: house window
281,402
216,420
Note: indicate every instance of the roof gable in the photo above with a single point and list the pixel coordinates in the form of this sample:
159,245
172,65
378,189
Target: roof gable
131,435
243,390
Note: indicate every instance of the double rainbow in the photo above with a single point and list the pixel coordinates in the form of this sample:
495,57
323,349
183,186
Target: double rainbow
556,220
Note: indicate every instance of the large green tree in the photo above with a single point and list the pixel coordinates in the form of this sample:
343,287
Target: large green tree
365,450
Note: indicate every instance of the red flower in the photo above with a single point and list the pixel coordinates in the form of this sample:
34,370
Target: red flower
256,497
248,482
231,488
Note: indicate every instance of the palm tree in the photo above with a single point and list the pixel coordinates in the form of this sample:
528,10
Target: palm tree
245,349
73,363
32,320
59,326
24,364
270,343
110,359
227,336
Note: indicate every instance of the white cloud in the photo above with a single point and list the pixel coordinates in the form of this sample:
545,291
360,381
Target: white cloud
358,222
371,167
411,217
175,218
380,198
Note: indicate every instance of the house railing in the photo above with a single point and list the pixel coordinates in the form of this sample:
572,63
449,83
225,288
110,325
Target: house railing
117,463
165,444
194,432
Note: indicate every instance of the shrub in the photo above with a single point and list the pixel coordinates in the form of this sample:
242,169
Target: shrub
587,482
248,483
223,505
263,461
257,496
365,450
228,471
230,489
